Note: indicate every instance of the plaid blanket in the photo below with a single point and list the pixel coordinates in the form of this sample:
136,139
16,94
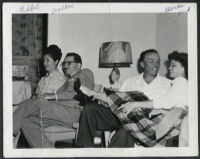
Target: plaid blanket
147,131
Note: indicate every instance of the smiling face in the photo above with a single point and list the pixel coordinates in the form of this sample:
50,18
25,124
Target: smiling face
176,69
151,64
69,66
49,63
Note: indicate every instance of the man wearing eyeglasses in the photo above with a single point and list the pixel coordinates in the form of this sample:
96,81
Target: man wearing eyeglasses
60,108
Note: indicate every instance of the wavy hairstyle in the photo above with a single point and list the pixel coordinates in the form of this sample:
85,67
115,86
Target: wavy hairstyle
182,58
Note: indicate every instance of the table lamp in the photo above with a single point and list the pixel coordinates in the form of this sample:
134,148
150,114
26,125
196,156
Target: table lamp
115,54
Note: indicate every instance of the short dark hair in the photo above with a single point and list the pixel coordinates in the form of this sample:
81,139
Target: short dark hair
54,52
144,53
77,57
182,58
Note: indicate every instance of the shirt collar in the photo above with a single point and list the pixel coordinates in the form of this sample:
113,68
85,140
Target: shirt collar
141,76
73,73
52,74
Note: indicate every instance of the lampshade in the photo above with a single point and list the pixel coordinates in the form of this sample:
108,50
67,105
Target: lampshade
116,53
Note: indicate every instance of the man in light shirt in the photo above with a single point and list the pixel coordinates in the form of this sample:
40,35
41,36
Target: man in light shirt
150,83
96,117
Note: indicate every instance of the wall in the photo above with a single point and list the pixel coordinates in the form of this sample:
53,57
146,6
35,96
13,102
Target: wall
171,35
84,34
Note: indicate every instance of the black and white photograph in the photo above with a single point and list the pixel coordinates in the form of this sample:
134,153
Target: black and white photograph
100,79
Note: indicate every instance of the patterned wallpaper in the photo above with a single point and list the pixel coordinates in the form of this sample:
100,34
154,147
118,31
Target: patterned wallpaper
29,39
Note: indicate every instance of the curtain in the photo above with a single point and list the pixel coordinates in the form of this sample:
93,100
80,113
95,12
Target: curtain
29,39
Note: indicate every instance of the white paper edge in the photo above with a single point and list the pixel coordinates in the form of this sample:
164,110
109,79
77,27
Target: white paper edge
8,151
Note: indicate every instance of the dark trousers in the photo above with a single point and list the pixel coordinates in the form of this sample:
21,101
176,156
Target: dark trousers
95,117
122,139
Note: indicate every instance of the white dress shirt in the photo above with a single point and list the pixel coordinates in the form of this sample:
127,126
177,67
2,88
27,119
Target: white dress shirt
50,83
176,96
156,89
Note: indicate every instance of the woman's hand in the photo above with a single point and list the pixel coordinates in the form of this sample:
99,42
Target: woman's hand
33,97
38,96
157,112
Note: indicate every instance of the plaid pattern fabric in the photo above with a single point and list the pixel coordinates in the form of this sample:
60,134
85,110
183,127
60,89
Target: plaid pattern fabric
140,125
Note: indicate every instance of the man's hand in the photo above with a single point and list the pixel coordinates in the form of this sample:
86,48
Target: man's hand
127,107
123,116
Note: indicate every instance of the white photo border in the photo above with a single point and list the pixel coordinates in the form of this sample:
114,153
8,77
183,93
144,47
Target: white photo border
53,8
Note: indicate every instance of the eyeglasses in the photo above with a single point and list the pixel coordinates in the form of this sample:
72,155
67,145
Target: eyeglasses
68,63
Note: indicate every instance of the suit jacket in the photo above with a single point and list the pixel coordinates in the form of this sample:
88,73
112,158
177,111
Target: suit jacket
66,93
